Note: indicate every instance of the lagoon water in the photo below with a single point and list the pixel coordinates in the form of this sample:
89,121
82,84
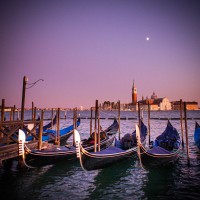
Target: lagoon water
124,180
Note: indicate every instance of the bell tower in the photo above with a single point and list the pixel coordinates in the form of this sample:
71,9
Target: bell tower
134,94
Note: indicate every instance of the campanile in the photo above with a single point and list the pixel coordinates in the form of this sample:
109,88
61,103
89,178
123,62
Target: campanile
134,94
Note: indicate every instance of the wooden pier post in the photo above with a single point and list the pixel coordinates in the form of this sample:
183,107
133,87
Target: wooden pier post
95,127
99,137
142,113
25,80
57,141
11,114
149,123
91,110
2,110
75,118
34,114
40,131
2,113
14,108
75,124
186,134
17,114
119,108
52,118
139,118
181,120
34,119
32,110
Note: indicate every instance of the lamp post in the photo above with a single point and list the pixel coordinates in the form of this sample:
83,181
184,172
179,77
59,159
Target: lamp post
25,80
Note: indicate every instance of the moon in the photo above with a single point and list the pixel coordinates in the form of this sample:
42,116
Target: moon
147,38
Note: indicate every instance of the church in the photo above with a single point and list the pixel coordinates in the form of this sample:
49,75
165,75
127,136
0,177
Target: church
154,102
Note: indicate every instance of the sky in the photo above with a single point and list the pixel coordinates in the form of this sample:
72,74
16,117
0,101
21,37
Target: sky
88,50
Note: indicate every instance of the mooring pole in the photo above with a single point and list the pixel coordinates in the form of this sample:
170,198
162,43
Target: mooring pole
119,117
2,109
91,121
74,124
58,128
34,114
186,133
149,123
14,108
2,113
52,118
11,114
99,137
95,127
181,120
142,114
34,119
18,114
41,131
139,119
75,118
32,110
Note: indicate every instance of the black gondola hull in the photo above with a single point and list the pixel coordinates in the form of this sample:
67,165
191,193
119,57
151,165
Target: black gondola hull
153,160
102,161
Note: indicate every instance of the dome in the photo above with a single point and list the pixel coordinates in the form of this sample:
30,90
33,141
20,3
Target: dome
154,96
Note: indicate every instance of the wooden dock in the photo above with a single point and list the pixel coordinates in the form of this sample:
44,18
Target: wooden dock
11,151
9,139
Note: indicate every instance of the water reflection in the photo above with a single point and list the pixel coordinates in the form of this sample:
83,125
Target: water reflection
160,181
108,181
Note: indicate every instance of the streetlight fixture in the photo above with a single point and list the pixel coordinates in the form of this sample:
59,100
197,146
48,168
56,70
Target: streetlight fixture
32,84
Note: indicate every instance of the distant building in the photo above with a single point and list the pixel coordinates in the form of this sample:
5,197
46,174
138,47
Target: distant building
155,103
7,109
107,105
190,105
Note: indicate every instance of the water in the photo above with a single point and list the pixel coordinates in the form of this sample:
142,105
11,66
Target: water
124,180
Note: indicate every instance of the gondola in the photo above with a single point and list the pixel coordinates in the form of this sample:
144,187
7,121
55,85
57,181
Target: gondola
49,125
54,153
122,149
165,149
64,134
49,135
46,127
197,135
113,128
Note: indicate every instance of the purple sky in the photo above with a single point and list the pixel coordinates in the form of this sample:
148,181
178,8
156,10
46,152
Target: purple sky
88,50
